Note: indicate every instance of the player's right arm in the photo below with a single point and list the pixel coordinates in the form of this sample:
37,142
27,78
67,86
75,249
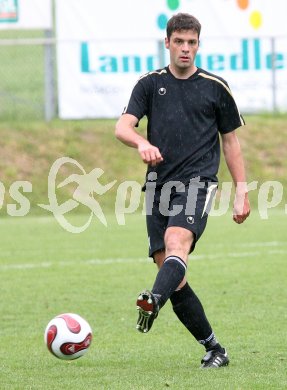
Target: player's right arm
126,133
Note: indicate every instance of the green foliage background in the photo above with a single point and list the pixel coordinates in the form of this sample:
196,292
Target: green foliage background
29,148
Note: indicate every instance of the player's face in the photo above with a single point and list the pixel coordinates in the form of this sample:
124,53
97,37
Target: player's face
183,46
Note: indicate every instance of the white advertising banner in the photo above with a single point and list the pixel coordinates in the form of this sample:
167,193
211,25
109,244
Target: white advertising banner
25,14
103,48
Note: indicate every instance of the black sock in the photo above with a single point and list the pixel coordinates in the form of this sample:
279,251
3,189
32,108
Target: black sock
168,278
190,312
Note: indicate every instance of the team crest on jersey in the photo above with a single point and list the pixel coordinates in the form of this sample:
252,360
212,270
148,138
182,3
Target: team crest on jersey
190,220
162,91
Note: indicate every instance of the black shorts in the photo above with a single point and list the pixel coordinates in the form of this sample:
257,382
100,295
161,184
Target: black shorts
185,206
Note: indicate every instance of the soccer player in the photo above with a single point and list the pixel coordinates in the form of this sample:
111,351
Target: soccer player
187,109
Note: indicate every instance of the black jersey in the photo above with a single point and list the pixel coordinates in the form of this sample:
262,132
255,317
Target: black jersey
185,117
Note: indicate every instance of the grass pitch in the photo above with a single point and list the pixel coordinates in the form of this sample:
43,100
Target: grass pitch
239,272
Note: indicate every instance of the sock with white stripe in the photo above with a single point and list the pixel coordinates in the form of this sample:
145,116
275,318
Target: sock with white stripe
190,312
168,278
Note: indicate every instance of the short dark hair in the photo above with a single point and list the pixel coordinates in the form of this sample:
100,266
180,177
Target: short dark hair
182,21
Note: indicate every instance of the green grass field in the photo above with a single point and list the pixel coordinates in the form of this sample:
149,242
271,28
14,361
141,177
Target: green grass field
239,272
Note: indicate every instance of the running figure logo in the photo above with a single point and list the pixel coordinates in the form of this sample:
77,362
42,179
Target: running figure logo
87,185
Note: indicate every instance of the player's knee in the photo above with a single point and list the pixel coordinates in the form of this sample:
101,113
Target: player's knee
178,241
172,242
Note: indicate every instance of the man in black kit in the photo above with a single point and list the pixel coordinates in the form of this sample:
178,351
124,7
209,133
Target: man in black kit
187,108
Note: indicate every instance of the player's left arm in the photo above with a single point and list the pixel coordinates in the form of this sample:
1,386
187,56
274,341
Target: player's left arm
234,160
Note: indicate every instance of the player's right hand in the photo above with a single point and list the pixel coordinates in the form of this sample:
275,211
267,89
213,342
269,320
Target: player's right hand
149,154
241,208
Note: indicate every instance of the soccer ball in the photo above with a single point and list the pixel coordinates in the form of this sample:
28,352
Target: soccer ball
68,336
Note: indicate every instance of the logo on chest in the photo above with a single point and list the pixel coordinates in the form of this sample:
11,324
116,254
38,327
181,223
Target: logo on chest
162,91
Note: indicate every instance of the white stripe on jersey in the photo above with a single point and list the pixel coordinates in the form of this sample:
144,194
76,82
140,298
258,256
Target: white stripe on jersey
153,72
210,190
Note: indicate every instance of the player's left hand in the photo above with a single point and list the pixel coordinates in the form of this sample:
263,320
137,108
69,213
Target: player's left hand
241,208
